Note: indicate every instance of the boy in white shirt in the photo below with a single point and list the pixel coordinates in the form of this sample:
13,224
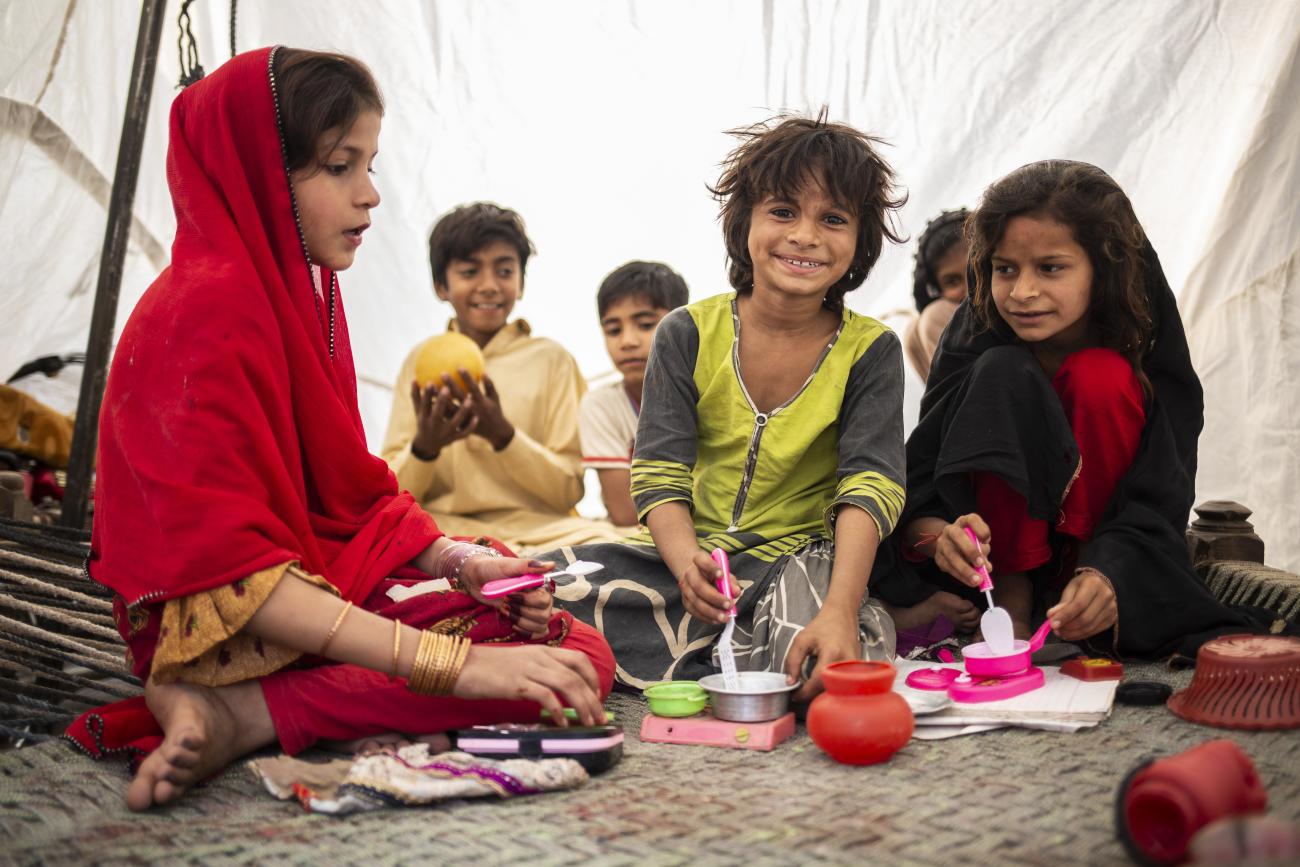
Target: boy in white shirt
631,301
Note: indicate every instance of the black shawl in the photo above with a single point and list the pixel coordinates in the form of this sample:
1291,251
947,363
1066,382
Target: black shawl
989,406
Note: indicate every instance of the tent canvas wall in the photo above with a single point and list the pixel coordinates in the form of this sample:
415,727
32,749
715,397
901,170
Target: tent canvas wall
602,122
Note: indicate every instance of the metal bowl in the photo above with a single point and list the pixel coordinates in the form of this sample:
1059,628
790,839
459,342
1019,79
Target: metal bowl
762,696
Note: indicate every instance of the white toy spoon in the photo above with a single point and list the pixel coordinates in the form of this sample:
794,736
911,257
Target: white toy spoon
995,623
726,654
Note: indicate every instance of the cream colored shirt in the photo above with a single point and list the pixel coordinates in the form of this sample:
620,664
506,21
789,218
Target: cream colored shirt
524,494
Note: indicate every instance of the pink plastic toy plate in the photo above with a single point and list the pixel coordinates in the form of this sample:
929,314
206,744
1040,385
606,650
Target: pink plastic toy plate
980,689
932,678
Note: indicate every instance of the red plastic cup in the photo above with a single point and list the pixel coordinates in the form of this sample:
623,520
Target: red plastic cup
1163,803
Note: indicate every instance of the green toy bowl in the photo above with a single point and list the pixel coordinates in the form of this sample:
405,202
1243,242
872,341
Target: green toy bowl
676,698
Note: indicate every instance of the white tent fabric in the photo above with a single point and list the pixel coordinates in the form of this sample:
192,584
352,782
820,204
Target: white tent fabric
601,123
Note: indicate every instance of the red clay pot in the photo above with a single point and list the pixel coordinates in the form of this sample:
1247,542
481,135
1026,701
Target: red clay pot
859,719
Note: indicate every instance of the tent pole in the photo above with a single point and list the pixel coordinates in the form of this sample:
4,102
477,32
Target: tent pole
86,429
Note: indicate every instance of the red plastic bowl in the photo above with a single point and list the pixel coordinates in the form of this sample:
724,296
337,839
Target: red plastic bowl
1244,682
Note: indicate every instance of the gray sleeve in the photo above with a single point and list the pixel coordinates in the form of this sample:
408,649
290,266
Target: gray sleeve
666,430
872,468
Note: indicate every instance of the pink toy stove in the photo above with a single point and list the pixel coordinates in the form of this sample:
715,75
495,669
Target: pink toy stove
703,730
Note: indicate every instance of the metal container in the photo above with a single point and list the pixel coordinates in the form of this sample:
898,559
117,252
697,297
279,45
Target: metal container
762,696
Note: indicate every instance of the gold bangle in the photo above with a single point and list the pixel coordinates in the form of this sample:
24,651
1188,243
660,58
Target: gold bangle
420,667
462,654
445,649
450,670
444,663
447,671
338,621
422,672
397,646
438,661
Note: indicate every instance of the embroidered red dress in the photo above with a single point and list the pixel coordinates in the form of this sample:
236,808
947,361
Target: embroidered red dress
231,451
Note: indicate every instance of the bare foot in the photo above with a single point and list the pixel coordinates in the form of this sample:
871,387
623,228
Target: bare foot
438,743
963,614
204,729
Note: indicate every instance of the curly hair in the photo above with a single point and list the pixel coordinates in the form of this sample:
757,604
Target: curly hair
1101,219
941,235
781,155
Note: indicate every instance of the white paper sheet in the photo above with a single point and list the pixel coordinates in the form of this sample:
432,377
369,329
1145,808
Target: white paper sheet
1061,704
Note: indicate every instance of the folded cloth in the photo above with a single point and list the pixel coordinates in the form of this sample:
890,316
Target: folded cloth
409,776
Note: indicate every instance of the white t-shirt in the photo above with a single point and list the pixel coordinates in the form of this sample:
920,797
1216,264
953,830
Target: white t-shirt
607,427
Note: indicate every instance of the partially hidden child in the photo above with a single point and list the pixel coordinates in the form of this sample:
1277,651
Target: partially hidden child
499,458
631,301
938,286
250,536
1060,424
771,427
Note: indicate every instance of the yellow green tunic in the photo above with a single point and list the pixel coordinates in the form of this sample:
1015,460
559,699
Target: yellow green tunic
765,487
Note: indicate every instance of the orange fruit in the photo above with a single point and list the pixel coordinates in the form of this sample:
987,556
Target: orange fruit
447,353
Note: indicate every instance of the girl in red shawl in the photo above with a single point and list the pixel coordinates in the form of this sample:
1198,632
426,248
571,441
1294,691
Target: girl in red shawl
250,536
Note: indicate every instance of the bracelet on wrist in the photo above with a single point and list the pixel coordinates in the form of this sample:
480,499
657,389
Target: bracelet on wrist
438,661
452,559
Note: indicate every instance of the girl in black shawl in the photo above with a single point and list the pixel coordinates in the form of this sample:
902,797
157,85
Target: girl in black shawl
1062,405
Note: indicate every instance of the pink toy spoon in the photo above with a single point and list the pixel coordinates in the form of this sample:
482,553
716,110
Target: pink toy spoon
995,623
521,583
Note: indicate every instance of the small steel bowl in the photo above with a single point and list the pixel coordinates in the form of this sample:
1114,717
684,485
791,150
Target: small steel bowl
762,696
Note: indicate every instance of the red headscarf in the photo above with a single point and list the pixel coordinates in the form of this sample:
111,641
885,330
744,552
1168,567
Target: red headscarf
230,440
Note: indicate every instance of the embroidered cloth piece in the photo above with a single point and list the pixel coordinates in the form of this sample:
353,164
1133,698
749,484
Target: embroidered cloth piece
409,776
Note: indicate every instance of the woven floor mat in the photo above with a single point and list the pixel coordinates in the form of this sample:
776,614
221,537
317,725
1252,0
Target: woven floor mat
1004,797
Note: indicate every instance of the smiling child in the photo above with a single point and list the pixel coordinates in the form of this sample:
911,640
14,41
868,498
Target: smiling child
504,459
771,427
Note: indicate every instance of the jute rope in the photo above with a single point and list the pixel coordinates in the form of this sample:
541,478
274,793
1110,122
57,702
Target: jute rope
17,628
60,618
55,678
22,650
12,556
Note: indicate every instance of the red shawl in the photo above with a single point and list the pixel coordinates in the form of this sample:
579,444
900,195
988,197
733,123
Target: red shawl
230,441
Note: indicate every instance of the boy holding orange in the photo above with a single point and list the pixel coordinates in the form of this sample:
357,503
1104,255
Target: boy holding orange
500,457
